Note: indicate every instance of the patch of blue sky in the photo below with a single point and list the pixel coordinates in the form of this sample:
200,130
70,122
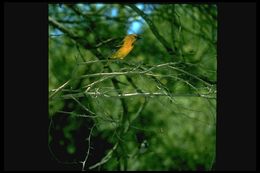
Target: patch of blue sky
60,8
135,27
99,5
114,12
84,7
137,23
56,32
140,6
144,8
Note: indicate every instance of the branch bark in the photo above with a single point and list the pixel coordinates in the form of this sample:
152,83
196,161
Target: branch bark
124,118
153,28
146,94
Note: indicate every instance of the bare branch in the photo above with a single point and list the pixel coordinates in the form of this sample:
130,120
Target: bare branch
127,72
71,34
153,28
143,94
106,158
77,115
84,107
73,114
58,89
87,155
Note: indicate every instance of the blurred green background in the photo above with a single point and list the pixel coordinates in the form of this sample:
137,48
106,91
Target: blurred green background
176,131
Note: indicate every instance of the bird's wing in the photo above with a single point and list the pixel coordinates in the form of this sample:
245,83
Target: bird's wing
120,44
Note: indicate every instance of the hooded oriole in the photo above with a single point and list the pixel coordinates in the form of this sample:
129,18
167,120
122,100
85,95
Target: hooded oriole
126,47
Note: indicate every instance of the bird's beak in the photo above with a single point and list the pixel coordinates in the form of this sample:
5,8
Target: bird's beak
138,37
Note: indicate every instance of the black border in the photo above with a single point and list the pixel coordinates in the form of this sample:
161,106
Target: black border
236,84
26,87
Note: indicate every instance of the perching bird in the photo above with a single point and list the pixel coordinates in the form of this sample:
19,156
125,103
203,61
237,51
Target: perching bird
126,47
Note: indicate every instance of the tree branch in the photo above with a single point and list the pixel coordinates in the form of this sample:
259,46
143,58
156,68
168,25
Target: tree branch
106,158
124,117
146,94
89,146
153,28
58,89
69,33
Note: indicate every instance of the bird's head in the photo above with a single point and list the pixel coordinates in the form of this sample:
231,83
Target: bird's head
132,38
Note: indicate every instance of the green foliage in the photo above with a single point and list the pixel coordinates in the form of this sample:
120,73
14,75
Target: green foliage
165,103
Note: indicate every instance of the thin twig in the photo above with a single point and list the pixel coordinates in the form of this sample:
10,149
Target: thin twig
89,146
144,94
106,158
77,115
89,116
69,33
153,28
58,89
84,107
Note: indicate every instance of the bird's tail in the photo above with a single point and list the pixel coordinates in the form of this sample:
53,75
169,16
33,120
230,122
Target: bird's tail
113,56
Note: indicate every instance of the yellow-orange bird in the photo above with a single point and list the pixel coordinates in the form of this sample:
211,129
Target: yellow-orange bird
126,47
